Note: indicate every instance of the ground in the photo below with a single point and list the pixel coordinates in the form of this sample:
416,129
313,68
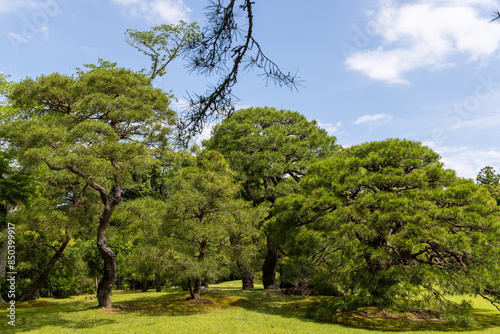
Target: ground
233,311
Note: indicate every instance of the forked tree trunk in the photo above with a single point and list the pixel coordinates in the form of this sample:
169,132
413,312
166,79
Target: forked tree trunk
269,266
194,291
33,290
109,275
158,282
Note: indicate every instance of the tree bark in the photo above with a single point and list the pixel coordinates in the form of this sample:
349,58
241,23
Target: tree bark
247,277
195,291
158,282
33,290
269,266
145,285
109,275
190,288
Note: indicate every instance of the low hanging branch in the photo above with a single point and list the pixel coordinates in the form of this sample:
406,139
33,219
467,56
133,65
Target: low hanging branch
222,49
496,16
211,54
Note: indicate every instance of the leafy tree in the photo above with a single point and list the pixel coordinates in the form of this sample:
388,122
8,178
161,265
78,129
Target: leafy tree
163,43
139,224
393,225
488,178
62,209
203,213
98,125
270,149
17,185
487,175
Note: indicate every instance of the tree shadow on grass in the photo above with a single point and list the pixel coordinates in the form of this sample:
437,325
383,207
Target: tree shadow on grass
289,306
384,323
36,315
40,314
174,304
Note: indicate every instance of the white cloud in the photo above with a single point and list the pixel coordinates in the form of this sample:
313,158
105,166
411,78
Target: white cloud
180,104
426,34
465,160
330,128
161,11
9,6
374,119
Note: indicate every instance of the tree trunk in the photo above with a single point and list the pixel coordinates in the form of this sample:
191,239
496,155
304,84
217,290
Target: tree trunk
158,282
247,277
33,290
269,266
190,288
109,275
3,264
145,285
197,289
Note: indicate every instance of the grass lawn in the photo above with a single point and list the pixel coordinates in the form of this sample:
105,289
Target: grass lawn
234,311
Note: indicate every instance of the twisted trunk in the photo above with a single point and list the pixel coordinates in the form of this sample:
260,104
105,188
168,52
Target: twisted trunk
109,275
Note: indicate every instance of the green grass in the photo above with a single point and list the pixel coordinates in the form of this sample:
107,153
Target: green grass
233,311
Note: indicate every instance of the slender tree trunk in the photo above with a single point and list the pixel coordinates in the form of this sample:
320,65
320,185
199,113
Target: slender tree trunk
3,264
195,291
145,285
247,274
269,266
190,288
33,290
109,275
247,277
158,282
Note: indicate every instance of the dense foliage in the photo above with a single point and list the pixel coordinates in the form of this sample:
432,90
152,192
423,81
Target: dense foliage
385,224
381,224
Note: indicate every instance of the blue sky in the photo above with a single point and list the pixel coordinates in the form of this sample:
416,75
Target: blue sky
421,70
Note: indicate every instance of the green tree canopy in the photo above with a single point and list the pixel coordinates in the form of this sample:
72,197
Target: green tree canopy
489,179
203,213
271,150
488,176
390,224
98,125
